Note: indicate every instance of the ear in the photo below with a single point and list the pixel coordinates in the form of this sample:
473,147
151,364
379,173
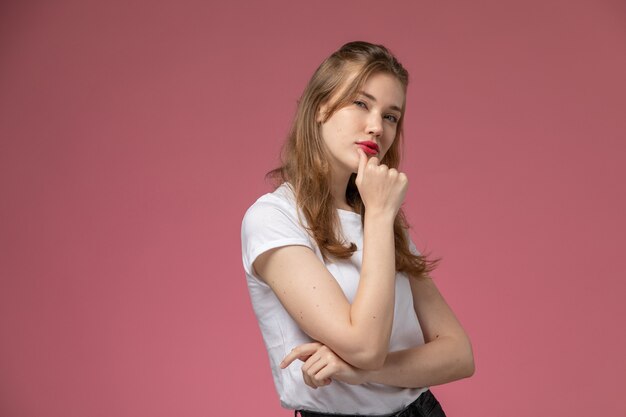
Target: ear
321,114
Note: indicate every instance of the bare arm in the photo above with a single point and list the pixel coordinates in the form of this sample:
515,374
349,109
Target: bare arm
358,332
447,354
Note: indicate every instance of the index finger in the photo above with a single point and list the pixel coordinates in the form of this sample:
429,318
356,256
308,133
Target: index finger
301,352
362,162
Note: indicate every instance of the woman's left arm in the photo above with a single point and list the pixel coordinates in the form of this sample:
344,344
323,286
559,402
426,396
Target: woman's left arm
446,355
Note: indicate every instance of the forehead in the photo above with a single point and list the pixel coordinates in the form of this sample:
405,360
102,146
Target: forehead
385,88
382,86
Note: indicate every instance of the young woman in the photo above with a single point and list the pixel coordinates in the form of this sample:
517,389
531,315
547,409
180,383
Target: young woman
352,322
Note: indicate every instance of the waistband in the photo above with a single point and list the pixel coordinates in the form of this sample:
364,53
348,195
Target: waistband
420,407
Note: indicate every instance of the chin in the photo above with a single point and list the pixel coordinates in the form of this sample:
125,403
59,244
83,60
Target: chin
354,168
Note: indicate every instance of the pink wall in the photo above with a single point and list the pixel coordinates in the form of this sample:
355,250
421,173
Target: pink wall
135,134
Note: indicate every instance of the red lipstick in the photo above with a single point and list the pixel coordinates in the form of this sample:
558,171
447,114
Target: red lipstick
369,147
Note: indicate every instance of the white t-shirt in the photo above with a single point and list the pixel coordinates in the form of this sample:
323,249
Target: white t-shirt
272,222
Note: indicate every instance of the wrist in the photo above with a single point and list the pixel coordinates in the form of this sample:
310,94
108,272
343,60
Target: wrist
384,216
365,376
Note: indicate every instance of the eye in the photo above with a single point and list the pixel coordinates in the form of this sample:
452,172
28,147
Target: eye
392,118
360,103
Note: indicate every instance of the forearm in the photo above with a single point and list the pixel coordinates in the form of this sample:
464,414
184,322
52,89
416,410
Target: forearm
443,360
372,309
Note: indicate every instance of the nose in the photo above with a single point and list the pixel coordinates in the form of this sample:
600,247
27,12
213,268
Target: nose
374,125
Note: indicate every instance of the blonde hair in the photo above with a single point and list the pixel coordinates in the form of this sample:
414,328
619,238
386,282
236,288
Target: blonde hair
305,160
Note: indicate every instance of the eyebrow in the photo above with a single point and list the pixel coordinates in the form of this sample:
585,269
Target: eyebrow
371,97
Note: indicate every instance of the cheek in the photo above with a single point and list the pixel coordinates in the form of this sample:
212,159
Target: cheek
390,140
330,130
327,133
387,146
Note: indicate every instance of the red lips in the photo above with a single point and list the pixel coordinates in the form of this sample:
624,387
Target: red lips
369,147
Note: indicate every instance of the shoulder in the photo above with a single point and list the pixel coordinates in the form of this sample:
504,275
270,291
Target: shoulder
271,222
272,209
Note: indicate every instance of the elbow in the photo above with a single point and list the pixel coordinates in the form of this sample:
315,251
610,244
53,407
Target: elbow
461,364
368,360
467,366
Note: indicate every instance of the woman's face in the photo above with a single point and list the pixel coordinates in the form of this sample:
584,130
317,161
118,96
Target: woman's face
369,123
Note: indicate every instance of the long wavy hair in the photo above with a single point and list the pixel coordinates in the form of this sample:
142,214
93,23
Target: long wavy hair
305,160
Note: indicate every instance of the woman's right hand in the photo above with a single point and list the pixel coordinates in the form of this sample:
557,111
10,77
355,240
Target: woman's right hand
382,189
359,330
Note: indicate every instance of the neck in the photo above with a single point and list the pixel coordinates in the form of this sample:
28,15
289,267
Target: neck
338,187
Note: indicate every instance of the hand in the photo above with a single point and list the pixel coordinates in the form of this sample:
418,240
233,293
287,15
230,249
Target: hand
321,365
381,188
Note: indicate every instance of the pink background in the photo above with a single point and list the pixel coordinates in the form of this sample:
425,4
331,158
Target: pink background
134,135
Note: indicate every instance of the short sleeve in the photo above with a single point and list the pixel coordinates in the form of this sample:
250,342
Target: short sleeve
267,225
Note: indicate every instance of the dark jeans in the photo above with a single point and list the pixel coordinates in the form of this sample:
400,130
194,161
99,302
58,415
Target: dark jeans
426,405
